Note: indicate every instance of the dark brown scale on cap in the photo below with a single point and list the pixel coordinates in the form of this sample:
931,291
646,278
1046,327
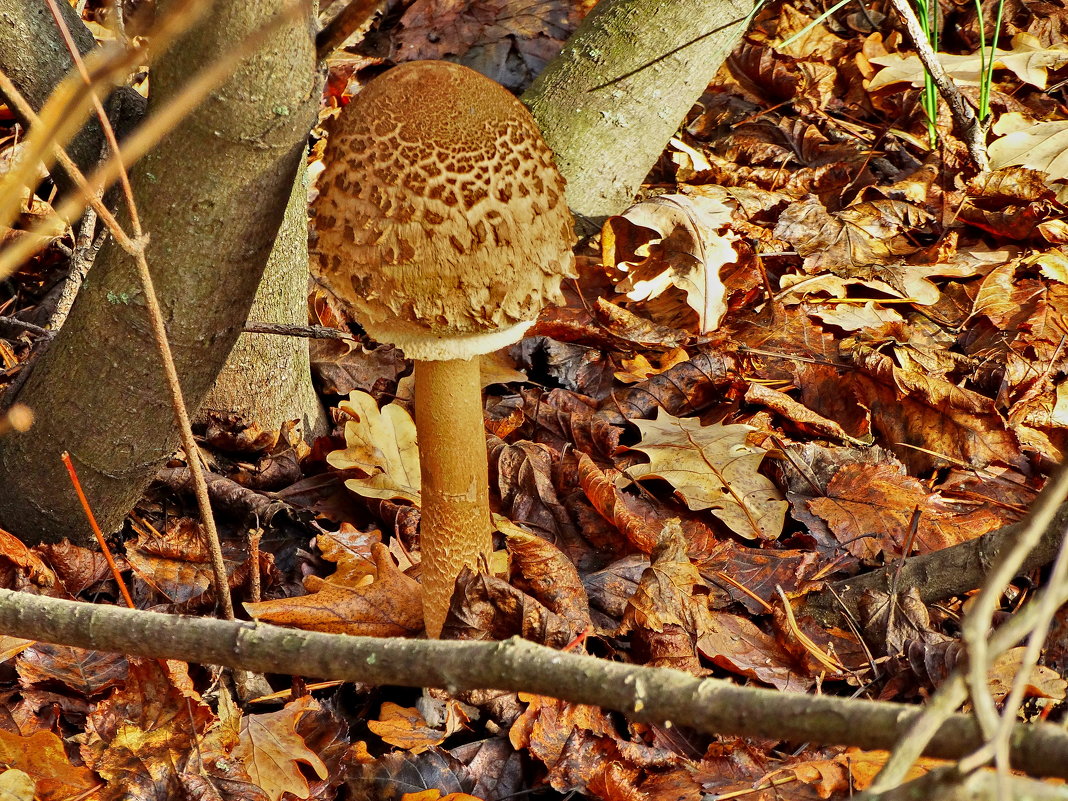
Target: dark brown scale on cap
464,233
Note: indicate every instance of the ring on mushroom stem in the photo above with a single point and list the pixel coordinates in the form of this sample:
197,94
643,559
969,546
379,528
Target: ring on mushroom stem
443,226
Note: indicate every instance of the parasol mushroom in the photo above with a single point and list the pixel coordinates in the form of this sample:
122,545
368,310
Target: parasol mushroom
443,226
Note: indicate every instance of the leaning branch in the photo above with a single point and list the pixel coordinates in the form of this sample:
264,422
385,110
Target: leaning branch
647,694
972,129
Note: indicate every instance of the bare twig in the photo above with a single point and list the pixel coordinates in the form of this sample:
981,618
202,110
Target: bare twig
1049,511
86,246
308,331
973,130
15,324
978,621
1047,605
96,531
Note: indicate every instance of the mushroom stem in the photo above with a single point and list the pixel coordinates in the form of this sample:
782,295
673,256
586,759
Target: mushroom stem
456,529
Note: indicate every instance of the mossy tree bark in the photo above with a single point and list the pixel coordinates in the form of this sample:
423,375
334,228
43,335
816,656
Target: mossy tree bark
609,103
211,196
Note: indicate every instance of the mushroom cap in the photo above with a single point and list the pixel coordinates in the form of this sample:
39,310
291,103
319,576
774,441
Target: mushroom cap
441,216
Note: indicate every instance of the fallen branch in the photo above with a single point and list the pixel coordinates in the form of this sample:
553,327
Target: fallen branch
942,574
647,694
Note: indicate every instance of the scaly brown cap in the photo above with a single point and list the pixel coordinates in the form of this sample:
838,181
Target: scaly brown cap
442,219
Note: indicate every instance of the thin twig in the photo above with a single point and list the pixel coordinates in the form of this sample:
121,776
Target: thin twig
972,129
22,325
96,530
998,747
955,689
159,334
307,331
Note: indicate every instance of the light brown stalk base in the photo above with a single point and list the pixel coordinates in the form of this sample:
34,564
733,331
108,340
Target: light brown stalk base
455,528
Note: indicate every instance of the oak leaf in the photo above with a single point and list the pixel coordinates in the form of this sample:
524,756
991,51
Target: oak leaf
1028,59
712,467
382,444
674,240
272,751
386,603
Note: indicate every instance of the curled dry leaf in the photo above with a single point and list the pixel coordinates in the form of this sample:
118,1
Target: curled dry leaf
544,571
713,467
486,607
405,728
673,240
612,506
389,604
272,751
382,444
670,592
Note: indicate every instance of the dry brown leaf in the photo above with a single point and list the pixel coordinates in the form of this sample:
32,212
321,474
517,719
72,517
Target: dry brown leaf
612,506
863,235
933,414
736,644
712,467
405,728
383,445
871,508
272,751
1027,59
142,736
523,477
1042,683
86,673
544,571
486,607
41,756
176,562
665,593
490,34
390,605
673,240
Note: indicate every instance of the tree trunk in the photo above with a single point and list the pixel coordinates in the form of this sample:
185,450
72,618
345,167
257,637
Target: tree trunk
267,378
35,58
609,103
211,196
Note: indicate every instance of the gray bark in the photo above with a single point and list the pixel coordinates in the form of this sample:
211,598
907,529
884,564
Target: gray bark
609,103
211,196
35,58
267,377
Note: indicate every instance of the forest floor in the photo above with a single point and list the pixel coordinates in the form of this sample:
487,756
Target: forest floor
818,346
